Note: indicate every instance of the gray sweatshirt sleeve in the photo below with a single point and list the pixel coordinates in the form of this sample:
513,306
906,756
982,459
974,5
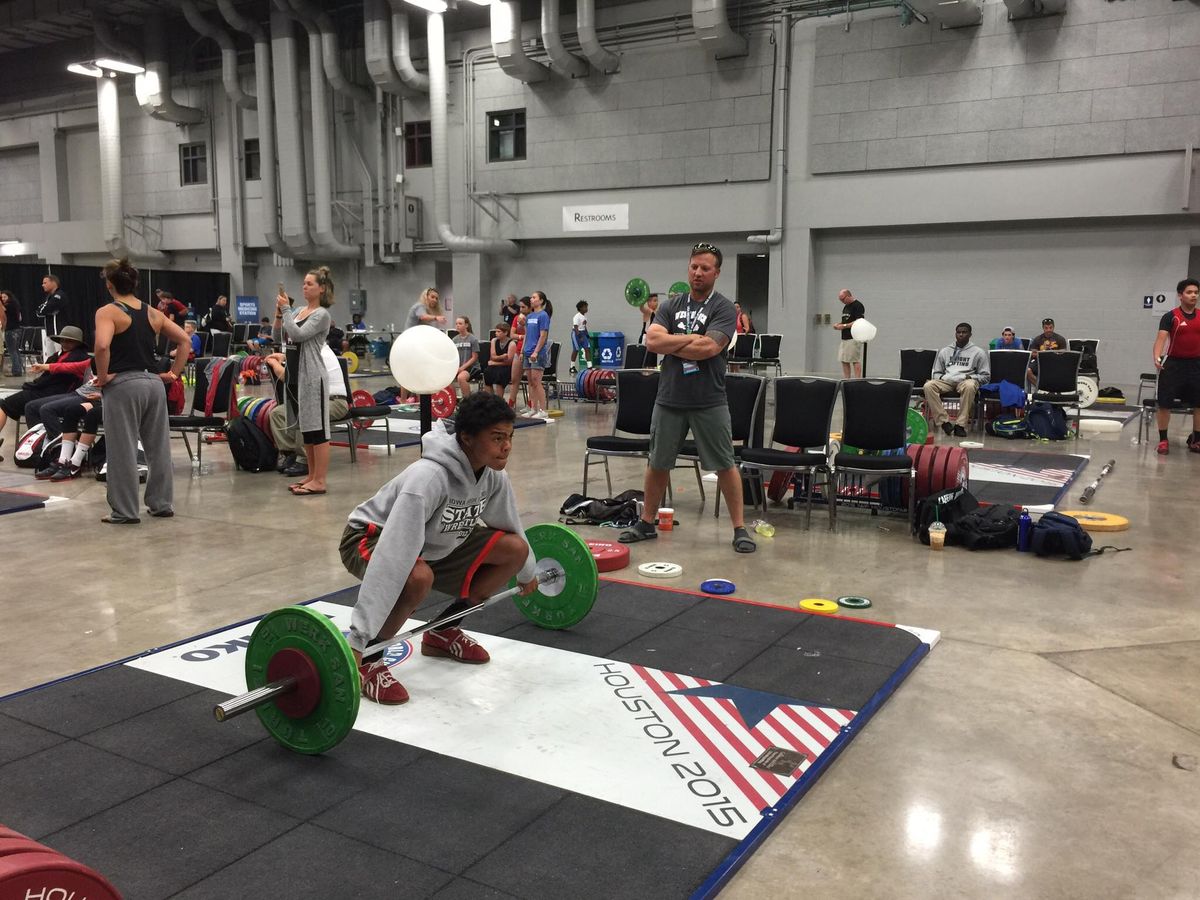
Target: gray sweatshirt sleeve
984,366
501,512
940,362
391,563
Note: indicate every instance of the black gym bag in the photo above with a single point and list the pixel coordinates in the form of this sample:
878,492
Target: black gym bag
252,450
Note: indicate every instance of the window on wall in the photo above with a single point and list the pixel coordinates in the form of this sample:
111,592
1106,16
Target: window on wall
418,144
506,135
193,163
250,159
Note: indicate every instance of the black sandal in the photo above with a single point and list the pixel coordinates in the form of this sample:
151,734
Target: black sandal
742,542
641,531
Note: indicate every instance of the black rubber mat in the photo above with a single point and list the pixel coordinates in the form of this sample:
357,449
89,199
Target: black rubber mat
127,772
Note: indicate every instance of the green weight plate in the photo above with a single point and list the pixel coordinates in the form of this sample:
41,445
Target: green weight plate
311,632
637,292
679,287
915,427
566,607
853,602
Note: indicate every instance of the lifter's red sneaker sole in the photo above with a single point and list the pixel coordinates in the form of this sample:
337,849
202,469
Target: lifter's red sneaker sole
455,644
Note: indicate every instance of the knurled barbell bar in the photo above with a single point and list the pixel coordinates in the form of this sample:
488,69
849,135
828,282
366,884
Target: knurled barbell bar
300,671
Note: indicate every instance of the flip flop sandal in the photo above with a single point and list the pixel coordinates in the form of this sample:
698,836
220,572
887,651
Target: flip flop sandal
743,543
306,492
636,535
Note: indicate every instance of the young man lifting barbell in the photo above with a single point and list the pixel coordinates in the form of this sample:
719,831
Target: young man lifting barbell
449,521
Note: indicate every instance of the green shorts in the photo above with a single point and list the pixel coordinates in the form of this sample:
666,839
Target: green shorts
452,574
710,429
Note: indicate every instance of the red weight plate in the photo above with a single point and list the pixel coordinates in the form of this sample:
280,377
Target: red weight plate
362,398
606,384
951,469
778,485
589,379
11,845
40,874
925,471
609,556
593,383
444,403
290,662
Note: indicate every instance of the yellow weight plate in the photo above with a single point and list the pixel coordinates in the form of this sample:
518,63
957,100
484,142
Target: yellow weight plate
351,359
1097,521
818,605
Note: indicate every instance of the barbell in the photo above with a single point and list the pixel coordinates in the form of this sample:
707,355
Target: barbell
301,676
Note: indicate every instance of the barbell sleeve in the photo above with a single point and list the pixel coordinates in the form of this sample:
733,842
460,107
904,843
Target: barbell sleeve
252,699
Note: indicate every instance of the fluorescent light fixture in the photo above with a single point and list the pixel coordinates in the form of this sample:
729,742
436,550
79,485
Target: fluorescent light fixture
433,6
482,2
85,68
8,241
119,65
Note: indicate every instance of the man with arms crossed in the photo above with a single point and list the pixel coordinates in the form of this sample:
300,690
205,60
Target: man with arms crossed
690,333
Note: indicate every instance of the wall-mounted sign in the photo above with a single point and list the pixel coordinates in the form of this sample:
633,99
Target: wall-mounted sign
247,308
608,217
1149,300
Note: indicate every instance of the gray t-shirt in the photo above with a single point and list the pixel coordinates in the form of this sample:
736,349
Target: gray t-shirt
466,344
679,314
414,315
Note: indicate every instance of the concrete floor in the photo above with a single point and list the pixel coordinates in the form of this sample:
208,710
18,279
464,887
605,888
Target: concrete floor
1030,755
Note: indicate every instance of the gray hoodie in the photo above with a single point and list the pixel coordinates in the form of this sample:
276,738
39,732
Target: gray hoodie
427,510
956,364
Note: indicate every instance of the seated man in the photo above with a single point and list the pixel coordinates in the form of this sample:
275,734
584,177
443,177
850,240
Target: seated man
1008,340
52,379
449,521
1049,339
262,339
960,368
288,440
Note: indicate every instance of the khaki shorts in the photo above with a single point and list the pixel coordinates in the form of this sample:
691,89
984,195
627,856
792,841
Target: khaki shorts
452,574
710,429
850,351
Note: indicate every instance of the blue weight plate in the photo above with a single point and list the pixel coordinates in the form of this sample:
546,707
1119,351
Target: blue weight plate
718,586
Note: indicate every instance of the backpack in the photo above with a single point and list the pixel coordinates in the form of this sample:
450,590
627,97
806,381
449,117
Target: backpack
947,507
34,451
1057,535
1047,421
987,528
252,450
98,457
1111,393
1006,427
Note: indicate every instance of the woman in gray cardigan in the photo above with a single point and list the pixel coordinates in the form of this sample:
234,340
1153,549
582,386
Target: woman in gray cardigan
307,388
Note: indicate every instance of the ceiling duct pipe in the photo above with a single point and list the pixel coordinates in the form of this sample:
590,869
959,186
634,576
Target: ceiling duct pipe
402,50
506,44
329,52
321,136
710,20
564,60
106,36
112,203
783,75
289,114
1028,9
585,25
377,44
229,60
153,87
266,124
441,156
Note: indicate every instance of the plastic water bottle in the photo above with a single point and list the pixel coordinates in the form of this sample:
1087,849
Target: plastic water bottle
1024,531
766,529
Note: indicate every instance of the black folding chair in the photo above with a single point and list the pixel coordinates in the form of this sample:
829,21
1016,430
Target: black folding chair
637,389
356,416
197,420
1058,380
745,395
917,366
803,411
221,343
766,355
741,353
1006,365
874,419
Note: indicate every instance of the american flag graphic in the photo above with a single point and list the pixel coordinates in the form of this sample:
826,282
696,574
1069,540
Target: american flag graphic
734,725
1048,477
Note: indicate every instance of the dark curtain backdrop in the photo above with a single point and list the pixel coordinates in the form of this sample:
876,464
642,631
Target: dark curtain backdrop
86,293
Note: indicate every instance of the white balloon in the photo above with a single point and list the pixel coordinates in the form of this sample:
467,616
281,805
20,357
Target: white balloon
423,359
862,330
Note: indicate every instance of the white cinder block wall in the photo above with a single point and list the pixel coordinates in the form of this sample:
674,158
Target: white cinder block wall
994,173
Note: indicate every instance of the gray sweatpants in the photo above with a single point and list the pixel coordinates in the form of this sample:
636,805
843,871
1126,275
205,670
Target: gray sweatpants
135,406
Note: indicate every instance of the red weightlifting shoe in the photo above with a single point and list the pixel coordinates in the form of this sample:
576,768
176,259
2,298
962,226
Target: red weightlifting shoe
455,644
379,685
1163,448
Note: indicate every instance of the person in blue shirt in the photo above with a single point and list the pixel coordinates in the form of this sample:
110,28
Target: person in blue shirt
536,354
1008,340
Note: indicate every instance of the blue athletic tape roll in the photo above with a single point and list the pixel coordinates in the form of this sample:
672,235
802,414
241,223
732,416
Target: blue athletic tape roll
718,586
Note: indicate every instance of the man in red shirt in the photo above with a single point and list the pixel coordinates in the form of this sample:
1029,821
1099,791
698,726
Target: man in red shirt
1179,366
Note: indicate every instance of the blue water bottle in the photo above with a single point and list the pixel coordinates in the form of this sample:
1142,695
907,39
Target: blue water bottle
1024,531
